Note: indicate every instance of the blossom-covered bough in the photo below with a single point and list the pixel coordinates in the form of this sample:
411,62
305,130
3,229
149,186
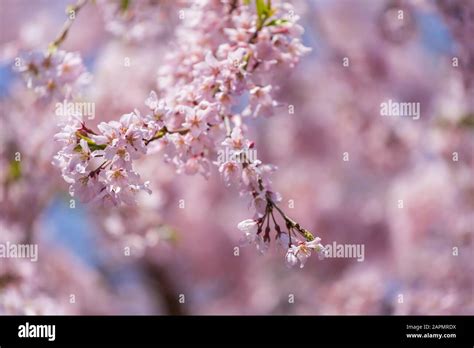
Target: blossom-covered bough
53,73
217,77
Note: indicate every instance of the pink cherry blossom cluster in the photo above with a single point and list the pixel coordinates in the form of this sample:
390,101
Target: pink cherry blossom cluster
55,75
132,20
204,86
225,54
297,249
99,167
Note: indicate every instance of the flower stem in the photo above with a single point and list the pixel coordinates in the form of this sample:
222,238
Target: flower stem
53,46
163,131
293,224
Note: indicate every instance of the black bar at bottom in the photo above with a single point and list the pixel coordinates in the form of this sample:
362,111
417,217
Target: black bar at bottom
430,331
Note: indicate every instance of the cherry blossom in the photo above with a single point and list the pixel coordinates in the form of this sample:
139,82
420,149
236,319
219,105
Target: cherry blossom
192,115
99,167
58,75
302,251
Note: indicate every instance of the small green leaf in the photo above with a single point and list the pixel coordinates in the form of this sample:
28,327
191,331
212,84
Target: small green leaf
277,22
246,60
264,12
52,48
124,4
91,143
70,8
14,171
261,8
82,136
95,147
161,133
